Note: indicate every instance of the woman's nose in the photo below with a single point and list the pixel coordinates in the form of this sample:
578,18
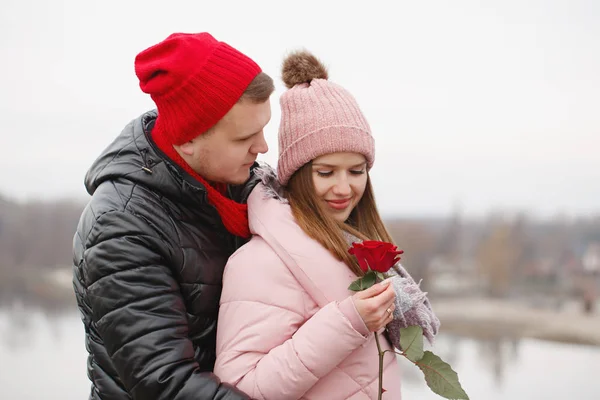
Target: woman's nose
342,187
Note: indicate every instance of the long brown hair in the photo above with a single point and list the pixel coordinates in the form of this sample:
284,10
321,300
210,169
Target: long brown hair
364,222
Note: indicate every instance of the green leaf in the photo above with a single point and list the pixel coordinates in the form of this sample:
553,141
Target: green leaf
381,276
411,342
369,279
356,285
364,282
440,377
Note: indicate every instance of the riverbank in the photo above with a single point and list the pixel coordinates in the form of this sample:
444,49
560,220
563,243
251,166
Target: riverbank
44,288
52,290
480,317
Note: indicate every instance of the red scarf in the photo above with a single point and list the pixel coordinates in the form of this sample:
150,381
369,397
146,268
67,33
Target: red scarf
234,215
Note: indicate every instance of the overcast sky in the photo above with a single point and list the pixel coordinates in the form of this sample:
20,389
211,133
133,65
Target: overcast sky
481,107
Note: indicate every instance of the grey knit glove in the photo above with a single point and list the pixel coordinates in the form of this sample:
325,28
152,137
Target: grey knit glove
412,307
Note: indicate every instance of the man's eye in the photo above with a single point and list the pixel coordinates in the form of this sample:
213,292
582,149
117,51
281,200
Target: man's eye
324,173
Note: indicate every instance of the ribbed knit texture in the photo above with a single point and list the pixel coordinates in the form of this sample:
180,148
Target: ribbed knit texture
194,81
319,118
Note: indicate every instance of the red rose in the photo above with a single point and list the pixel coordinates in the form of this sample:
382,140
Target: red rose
378,256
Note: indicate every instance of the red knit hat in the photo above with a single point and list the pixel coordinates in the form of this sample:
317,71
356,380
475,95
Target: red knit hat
194,81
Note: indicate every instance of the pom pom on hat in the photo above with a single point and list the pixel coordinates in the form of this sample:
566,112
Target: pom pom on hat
302,67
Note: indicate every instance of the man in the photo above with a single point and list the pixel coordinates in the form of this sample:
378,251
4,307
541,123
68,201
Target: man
167,210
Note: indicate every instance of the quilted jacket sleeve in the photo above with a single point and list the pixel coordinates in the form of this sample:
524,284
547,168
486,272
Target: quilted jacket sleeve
266,345
140,315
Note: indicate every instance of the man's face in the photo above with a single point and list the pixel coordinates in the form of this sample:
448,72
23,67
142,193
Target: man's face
226,152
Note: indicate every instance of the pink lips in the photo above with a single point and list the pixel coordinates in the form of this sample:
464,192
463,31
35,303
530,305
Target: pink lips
339,204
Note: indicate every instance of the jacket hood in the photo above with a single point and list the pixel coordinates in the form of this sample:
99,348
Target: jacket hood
270,217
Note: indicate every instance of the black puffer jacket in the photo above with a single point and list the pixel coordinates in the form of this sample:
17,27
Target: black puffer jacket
149,254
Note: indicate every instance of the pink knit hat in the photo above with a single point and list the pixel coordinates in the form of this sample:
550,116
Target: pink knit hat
318,117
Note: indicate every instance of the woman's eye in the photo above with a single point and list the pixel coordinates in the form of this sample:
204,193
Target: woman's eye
324,173
359,172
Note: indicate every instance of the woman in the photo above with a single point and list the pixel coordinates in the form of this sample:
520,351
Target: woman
289,328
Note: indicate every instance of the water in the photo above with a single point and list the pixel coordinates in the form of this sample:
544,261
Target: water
524,369
43,356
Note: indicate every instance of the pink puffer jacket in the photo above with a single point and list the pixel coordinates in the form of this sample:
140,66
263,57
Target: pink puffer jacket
288,328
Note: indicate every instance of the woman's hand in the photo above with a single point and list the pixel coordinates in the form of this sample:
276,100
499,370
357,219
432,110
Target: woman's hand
376,305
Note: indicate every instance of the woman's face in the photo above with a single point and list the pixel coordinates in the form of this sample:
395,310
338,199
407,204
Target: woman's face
340,180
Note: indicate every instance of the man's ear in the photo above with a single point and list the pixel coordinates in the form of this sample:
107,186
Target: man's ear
187,148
